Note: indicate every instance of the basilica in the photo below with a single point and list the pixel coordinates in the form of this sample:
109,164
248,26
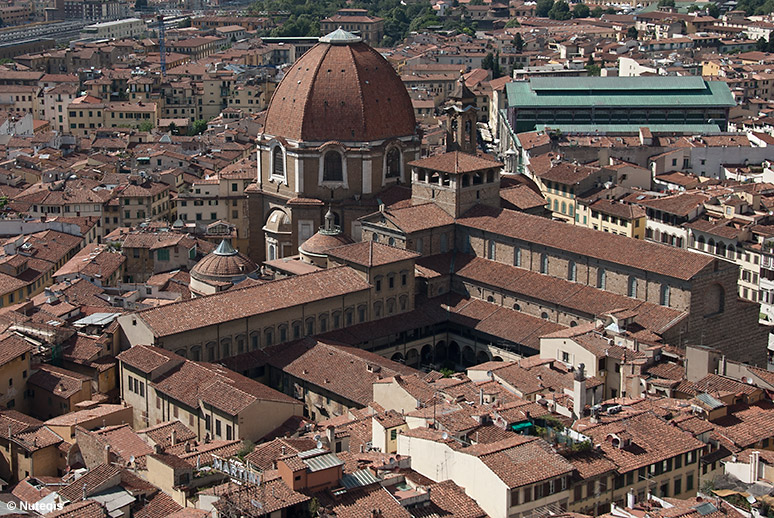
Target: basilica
339,134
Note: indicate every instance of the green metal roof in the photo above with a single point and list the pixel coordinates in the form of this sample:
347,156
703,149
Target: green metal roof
601,129
624,92
617,83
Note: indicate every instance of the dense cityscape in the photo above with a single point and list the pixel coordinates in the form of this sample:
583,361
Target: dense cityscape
386,259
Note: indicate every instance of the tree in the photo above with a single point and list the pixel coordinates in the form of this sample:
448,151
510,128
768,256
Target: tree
761,45
492,62
173,129
518,43
666,3
198,127
560,11
592,68
580,11
632,33
543,7
513,22
185,23
145,126
713,10
597,12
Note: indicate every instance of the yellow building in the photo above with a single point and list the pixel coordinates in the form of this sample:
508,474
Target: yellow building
15,367
614,217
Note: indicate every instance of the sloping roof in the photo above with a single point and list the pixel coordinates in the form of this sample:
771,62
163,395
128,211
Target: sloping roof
635,253
223,307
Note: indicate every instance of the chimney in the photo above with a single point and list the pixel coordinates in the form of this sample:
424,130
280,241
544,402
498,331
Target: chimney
480,396
330,432
630,499
283,449
579,392
84,491
172,438
107,454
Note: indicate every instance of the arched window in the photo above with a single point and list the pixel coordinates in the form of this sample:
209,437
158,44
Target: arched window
278,162
664,299
556,205
377,309
544,263
601,278
332,167
632,291
572,271
492,249
393,163
544,315
564,207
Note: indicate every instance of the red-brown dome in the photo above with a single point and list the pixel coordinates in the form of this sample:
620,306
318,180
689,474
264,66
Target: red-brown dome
341,89
223,264
320,243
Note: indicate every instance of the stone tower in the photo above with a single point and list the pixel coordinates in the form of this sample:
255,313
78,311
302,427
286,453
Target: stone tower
461,113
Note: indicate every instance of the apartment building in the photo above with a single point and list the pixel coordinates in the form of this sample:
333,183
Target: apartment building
214,402
146,201
370,28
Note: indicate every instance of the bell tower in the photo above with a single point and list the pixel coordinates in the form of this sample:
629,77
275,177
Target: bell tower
461,114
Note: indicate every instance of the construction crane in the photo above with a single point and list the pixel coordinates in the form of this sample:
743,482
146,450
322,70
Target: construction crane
162,46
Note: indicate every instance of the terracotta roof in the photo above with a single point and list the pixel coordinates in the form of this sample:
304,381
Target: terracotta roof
11,347
161,434
522,197
456,162
652,440
360,502
97,479
356,370
567,173
265,455
191,382
370,253
223,265
58,381
521,460
635,253
340,92
159,505
415,218
84,509
321,242
254,300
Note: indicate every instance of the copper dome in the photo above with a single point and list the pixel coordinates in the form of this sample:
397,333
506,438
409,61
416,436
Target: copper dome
223,264
341,89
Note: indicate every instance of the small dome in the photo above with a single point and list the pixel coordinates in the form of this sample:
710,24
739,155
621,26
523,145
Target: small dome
224,264
321,242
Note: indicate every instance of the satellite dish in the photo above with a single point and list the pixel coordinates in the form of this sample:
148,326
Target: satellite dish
319,444
131,459
445,436
317,437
